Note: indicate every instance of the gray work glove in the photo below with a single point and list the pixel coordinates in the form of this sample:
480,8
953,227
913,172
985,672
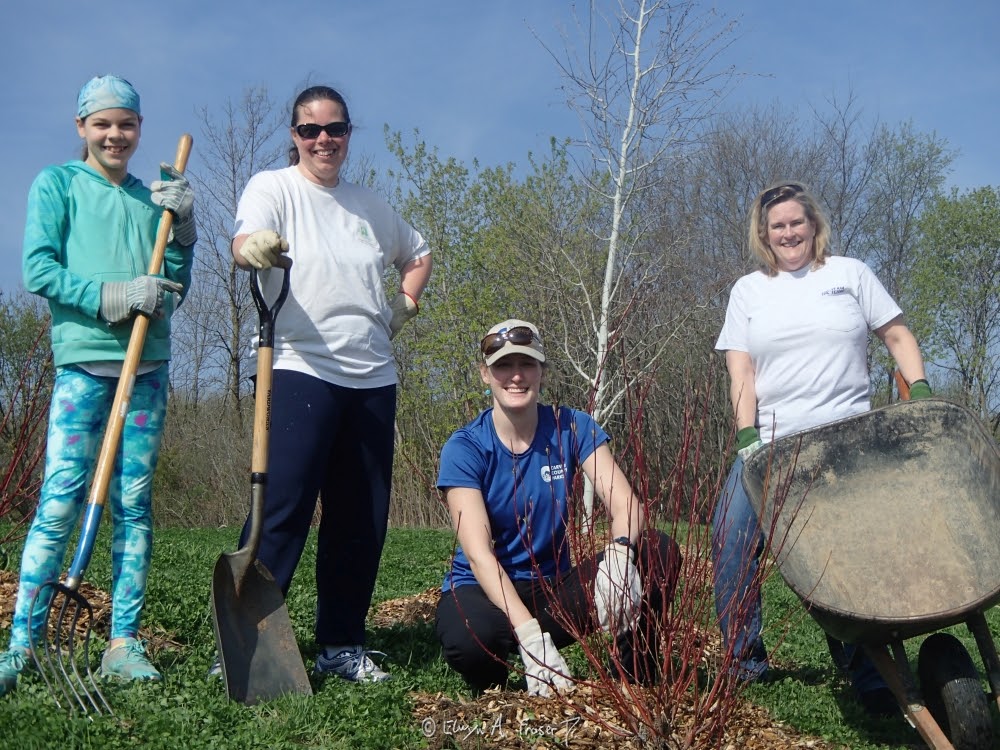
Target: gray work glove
174,193
265,248
617,590
403,307
119,299
544,667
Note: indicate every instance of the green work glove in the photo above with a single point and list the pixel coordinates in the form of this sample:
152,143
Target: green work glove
920,389
403,308
747,441
119,299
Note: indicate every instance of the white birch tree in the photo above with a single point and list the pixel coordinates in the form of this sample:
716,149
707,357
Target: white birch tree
643,82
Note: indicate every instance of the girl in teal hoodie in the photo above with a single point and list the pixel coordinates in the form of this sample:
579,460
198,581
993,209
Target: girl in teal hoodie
89,237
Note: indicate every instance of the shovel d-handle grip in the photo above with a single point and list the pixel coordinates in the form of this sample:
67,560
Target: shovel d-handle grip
265,362
123,396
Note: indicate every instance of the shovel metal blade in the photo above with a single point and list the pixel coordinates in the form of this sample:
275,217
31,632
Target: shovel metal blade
257,649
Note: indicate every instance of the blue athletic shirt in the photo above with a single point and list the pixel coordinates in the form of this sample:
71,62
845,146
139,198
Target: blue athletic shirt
527,494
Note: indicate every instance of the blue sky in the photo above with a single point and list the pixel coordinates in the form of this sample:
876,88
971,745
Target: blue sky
469,74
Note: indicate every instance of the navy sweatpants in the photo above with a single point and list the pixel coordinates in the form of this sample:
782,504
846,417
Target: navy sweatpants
334,444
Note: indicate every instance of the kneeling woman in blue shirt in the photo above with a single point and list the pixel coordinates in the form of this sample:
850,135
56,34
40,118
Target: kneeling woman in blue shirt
507,478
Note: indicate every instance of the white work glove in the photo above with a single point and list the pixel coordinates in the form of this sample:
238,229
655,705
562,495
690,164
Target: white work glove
403,308
265,248
617,590
544,667
119,299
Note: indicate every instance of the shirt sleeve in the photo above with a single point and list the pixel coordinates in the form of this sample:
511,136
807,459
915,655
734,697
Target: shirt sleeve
462,464
589,435
43,269
734,331
877,305
258,206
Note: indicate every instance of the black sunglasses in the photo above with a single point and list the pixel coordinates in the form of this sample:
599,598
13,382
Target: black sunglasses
780,192
312,130
518,336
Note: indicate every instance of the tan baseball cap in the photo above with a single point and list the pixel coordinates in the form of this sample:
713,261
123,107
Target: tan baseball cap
505,338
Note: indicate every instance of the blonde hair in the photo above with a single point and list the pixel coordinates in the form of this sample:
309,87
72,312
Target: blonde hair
772,196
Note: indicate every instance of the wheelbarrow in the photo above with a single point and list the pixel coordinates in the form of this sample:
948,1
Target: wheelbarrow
885,525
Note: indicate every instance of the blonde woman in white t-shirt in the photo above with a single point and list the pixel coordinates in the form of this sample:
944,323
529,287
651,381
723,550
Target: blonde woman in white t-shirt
334,389
796,340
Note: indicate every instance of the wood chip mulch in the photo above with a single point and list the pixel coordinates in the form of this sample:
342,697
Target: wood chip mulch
585,720
156,639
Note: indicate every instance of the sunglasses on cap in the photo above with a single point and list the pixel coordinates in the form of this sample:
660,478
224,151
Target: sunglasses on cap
781,192
518,336
311,130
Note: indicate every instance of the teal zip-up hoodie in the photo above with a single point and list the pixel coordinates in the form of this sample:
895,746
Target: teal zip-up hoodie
82,231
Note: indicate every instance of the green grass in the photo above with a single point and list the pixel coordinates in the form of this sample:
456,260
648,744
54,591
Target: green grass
187,711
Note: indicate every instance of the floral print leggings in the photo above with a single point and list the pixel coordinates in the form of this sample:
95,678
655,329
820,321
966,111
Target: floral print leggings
80,406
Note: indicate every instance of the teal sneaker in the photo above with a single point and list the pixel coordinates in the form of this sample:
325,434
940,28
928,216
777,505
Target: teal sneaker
12,663
129,662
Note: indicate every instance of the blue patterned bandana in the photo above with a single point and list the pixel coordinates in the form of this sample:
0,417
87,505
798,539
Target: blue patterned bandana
106,92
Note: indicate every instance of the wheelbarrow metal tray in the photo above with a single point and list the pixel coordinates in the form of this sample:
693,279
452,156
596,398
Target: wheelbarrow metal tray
886,524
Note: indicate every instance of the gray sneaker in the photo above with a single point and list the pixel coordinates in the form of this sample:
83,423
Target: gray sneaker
352,663
215,671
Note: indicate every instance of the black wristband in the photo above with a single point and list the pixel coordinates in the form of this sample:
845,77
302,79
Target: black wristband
632,546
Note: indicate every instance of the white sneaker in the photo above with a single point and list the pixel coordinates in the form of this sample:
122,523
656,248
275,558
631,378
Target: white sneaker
350,662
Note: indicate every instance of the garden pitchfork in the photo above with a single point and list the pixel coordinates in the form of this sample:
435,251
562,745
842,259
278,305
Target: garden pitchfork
63,658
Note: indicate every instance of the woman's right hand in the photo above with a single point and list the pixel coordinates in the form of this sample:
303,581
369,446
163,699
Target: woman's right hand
544,667
265,248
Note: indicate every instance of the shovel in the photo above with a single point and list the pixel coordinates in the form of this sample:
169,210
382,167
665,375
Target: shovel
257,650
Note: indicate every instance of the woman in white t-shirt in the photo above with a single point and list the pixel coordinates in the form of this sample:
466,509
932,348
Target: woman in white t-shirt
334,389
796,342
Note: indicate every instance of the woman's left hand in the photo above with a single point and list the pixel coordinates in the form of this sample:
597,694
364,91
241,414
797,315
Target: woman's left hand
403,307
617,590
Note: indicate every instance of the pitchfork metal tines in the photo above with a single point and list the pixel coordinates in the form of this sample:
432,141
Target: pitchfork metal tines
61,649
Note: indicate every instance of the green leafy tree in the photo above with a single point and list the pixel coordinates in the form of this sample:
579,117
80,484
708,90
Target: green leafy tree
477,280
955,294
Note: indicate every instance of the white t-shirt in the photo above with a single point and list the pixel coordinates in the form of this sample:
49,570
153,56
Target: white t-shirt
334,324
807,336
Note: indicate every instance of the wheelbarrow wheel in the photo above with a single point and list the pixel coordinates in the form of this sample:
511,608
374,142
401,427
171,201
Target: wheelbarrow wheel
953,692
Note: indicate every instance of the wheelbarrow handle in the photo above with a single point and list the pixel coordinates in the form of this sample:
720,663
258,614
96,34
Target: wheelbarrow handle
902,386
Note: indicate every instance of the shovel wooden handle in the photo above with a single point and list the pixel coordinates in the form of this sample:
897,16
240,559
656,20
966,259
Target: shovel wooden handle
123,396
